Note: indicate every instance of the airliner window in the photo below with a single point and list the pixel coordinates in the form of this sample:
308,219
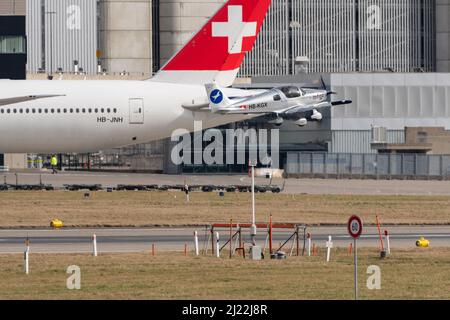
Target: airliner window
96,110
1,110
8,111
15,111
291,92
33,110
53,110
78,110
27,110
90,110
115,110
46,110
102,110
108,110
83,110
20,110
71,110
40,110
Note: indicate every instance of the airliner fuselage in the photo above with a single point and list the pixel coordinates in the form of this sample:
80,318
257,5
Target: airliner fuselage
88,116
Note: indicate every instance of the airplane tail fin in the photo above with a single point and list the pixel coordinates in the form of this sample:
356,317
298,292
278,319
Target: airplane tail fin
216,52
218,101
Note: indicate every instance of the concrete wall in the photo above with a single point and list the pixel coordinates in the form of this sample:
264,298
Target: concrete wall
443,36
16,161
126,36
12,7
180,20
391,100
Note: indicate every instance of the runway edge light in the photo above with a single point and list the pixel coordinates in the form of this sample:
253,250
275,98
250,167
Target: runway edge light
56,224
422,243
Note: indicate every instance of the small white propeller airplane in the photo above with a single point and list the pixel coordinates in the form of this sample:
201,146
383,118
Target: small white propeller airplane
287,102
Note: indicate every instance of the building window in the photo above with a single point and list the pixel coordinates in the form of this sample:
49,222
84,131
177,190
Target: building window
12,44
422,137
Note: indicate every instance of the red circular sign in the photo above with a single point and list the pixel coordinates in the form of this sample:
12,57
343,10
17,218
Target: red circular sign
354,226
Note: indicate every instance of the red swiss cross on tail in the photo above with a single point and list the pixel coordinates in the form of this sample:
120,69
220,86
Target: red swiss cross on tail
216,52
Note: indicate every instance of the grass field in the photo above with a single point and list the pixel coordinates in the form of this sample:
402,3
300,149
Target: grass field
37,209
407,274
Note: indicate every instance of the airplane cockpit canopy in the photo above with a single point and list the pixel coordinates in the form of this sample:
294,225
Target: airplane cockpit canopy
291,91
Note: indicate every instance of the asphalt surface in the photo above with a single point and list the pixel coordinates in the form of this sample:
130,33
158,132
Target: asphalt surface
294,186
173,239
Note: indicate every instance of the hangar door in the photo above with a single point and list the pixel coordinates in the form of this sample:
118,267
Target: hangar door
136,111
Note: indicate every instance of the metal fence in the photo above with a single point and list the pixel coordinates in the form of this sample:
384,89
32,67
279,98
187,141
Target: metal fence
413,166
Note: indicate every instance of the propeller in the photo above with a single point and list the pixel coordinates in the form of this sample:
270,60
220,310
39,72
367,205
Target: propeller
324,87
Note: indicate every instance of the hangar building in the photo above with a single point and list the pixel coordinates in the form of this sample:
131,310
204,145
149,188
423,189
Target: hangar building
391,57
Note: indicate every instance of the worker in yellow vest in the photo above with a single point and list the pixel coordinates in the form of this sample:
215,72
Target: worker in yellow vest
54,164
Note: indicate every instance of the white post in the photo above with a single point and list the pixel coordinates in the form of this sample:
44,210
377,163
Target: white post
388,244
309,246
196,243
217,245
94,242
253,229
26,261
329,245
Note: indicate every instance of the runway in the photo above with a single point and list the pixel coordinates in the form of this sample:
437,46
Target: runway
292,186
174,239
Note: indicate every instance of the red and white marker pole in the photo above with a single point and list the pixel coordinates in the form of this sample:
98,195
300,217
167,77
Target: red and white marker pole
26,256
217,245
388,243
329,245
196,243
94,245
309,244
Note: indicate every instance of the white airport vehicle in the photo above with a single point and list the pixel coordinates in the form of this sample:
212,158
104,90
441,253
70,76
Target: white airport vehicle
88,116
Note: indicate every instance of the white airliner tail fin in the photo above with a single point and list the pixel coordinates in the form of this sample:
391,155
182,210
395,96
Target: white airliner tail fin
216,52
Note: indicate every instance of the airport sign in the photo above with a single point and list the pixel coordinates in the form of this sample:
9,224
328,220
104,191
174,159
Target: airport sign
354,227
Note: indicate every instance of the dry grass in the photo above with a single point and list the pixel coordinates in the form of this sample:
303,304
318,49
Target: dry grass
407,274
28,209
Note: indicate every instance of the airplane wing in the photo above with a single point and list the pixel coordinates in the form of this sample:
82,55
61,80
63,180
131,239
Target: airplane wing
289,110
13,100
